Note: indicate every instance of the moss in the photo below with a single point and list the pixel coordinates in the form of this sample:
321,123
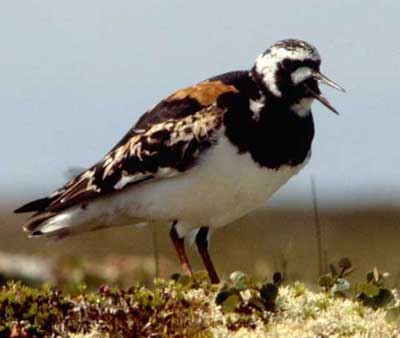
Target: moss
115,311
299,288
185,307
30,311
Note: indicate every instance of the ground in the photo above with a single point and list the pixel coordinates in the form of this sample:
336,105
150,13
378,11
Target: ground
185,307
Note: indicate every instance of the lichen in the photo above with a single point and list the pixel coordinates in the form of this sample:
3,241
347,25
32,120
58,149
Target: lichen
185,307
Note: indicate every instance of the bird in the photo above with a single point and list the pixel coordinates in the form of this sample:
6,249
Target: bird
201,158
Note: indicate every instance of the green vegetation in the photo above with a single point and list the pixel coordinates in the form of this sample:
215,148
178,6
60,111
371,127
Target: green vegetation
371,292
186,307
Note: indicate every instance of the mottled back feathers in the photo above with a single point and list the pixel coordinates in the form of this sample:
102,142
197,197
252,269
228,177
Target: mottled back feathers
165,141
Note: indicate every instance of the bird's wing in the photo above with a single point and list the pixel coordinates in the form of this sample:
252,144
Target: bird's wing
165,142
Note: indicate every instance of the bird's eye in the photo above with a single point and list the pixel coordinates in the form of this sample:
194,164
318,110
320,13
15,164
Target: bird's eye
301,74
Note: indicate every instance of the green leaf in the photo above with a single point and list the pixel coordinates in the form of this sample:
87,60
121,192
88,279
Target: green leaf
370,276
222,296
299,288
175,276
326,281
279,302
385,298
367,289
339,287
239,280
201,275
230,303
269,291
184,280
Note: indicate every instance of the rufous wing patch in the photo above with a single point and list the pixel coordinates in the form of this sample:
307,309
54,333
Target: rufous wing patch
206,93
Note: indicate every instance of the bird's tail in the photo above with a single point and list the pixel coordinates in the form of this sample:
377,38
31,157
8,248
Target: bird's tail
50,224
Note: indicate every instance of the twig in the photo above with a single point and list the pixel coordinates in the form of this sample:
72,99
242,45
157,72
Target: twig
318,229
155,251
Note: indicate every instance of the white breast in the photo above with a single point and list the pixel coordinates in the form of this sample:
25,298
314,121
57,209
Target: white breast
222,187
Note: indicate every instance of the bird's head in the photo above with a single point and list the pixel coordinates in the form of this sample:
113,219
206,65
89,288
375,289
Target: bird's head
290,70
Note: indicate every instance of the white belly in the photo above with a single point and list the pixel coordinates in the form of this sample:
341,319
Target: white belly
222,187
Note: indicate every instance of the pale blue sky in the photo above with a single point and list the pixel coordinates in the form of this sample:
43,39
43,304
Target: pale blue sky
75,75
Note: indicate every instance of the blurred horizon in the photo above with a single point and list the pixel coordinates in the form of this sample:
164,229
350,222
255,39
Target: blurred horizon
297,196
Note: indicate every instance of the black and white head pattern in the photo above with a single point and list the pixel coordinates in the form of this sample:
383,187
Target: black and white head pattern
283,66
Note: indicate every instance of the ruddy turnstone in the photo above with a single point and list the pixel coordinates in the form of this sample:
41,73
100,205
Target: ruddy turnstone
201,158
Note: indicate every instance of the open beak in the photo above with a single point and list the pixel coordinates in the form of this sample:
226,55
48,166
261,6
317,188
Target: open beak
321,98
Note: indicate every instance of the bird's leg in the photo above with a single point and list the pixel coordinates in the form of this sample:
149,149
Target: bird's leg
202,245
180,250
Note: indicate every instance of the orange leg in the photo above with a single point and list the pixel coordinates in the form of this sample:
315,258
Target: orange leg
180,250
